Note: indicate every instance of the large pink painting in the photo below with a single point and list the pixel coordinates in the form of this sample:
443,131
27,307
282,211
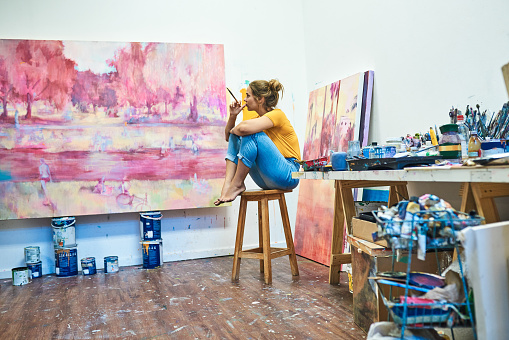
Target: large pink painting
337,113
101,127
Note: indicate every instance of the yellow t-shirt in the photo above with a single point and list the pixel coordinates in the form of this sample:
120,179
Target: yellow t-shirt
283,134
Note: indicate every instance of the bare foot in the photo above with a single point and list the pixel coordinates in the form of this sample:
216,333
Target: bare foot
232,193
226,186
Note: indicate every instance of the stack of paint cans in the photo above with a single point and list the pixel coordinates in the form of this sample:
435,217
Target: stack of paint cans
33,261
151,241
66,249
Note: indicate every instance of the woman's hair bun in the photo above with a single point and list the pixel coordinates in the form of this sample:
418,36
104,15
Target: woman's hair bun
275,85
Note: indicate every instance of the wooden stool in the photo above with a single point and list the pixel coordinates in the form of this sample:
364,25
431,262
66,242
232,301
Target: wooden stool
265,253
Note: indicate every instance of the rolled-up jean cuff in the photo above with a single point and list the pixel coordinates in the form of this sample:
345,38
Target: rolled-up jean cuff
231,158
246,161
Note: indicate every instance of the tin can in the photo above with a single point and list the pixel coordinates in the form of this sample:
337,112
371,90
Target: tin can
152,252
150,225
20,276
111,264
88,266
64,233
66,261
32,254
35,269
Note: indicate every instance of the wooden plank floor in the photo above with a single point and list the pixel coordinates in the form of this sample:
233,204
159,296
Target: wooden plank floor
192,299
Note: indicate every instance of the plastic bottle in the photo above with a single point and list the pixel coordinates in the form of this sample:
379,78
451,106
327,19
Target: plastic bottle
474,145
464,136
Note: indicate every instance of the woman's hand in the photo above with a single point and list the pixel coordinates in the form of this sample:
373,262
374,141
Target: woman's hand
235,109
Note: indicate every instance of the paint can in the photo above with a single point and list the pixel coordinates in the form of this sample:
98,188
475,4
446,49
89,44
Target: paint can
32,254
150,225
35,269
66,261
88,266
20,276
152,254
111,264
64,233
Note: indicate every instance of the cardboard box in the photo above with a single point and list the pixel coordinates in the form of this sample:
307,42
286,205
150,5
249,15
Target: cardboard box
368,305
364,229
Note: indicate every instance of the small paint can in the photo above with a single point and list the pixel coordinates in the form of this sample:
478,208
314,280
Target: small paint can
66,261
150,225
111,264
35,269
88,266
20,276
152,254
64,232
32,254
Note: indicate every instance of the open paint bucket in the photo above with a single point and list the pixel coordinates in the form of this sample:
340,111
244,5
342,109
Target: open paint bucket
150,225
20,276
111,264
32,254
66,261
35,269
152,254
64,233
88,266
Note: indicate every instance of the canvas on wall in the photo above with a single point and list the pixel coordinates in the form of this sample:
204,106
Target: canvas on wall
337,113
104,127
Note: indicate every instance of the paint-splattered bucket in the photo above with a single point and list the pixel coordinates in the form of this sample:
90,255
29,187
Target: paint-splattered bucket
20,276
111,264
66,261
152,253
32,254
150,225
64,233
35,269
88,266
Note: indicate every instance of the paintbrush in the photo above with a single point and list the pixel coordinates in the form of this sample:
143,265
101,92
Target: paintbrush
232,95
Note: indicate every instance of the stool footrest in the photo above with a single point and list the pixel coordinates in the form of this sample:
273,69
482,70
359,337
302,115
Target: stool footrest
257,253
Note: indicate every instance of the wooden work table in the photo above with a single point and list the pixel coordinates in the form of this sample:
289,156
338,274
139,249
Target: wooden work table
480,186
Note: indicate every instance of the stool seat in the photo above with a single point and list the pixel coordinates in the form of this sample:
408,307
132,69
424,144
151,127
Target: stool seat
265,253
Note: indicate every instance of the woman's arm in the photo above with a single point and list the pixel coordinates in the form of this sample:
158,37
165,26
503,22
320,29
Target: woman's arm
252,126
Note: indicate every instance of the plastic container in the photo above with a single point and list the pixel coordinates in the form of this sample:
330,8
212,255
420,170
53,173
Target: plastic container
464,135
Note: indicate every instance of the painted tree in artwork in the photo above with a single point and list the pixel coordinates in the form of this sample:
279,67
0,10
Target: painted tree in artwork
130,83
41,72
5,86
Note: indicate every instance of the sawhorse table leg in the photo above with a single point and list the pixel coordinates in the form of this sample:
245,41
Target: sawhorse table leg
344,211
480,197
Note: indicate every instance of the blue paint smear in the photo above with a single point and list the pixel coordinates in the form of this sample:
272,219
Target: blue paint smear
5,176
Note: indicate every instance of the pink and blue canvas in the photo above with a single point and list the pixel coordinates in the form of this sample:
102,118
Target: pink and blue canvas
342,116
102,127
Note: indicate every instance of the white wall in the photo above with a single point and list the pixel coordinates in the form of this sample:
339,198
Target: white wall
257,44
427,56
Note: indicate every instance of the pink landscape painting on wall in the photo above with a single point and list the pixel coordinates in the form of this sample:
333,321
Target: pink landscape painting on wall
104,127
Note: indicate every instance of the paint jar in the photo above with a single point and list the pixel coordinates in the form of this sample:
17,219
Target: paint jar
88,266
152,252
338,161
66,261
35,269
20,276
150,225
111,264
32,254
64,234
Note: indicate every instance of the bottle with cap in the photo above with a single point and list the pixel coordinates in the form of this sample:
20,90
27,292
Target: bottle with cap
464,135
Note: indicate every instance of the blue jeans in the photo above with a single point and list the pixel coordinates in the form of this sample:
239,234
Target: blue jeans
268,168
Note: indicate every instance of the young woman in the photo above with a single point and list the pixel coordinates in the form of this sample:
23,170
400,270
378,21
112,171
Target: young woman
265,147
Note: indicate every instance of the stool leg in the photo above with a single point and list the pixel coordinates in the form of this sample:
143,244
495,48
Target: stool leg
266,241
239,239
288,235
260,233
